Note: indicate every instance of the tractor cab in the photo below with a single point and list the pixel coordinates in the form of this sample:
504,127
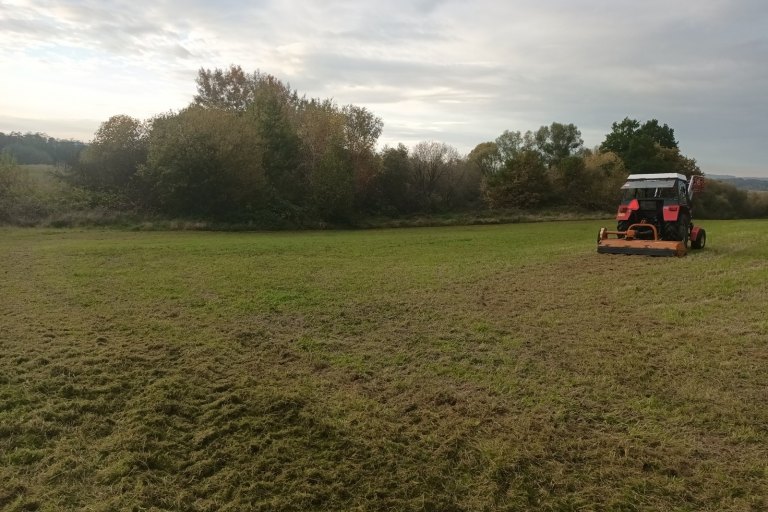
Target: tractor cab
654,198
662,200
667,189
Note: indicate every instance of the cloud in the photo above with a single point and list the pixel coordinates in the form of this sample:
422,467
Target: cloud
432,69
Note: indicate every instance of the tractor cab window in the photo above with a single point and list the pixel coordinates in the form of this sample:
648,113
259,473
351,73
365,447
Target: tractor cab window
649,189
666,193
637,193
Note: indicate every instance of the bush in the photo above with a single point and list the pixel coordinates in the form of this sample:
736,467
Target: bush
15,190
721,201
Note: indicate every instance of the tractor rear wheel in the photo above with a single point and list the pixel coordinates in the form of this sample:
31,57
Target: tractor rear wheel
684,229
679,230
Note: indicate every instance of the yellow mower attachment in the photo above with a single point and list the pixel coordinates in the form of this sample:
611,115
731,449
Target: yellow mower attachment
636,240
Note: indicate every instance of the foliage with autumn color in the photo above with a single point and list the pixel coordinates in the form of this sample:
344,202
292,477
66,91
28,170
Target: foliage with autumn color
250,150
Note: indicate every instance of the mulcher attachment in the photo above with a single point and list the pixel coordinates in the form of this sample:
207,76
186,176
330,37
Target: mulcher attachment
642,238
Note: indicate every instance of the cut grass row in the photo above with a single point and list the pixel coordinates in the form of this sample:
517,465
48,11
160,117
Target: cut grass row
479,368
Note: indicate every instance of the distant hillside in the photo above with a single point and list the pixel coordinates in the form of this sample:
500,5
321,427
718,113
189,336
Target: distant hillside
742,183
39,148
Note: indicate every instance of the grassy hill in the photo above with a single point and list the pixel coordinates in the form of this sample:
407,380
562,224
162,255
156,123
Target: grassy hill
475,368
757,184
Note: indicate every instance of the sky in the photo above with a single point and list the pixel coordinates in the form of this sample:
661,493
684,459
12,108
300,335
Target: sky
451,71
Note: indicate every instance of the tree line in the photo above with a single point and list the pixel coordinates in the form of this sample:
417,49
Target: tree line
39,148
250,149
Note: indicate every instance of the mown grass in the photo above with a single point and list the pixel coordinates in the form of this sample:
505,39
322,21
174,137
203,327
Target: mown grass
477,368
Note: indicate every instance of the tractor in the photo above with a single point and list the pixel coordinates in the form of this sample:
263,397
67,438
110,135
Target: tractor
654,217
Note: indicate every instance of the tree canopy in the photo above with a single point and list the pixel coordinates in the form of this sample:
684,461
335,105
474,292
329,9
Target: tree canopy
647,148
250,149
39,148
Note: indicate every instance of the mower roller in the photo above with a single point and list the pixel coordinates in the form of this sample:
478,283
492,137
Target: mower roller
627,243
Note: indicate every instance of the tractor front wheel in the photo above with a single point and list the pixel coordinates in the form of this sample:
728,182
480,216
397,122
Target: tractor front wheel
700,241
623,225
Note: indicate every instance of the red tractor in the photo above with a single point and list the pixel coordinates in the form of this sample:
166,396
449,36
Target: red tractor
654,217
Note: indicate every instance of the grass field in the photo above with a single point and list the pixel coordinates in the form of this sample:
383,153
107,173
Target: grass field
478,368
41,177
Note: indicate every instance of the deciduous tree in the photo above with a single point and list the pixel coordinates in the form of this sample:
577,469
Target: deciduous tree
431,162
204,162
110,162
393,192
641,146
521,183
230,89
361,132
557,142
485,158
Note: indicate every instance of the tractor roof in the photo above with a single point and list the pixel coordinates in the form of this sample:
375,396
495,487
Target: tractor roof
665,183
657,176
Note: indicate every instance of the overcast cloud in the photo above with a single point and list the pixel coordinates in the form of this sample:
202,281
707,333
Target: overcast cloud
452,71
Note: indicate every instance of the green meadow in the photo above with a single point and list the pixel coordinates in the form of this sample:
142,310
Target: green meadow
482,368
